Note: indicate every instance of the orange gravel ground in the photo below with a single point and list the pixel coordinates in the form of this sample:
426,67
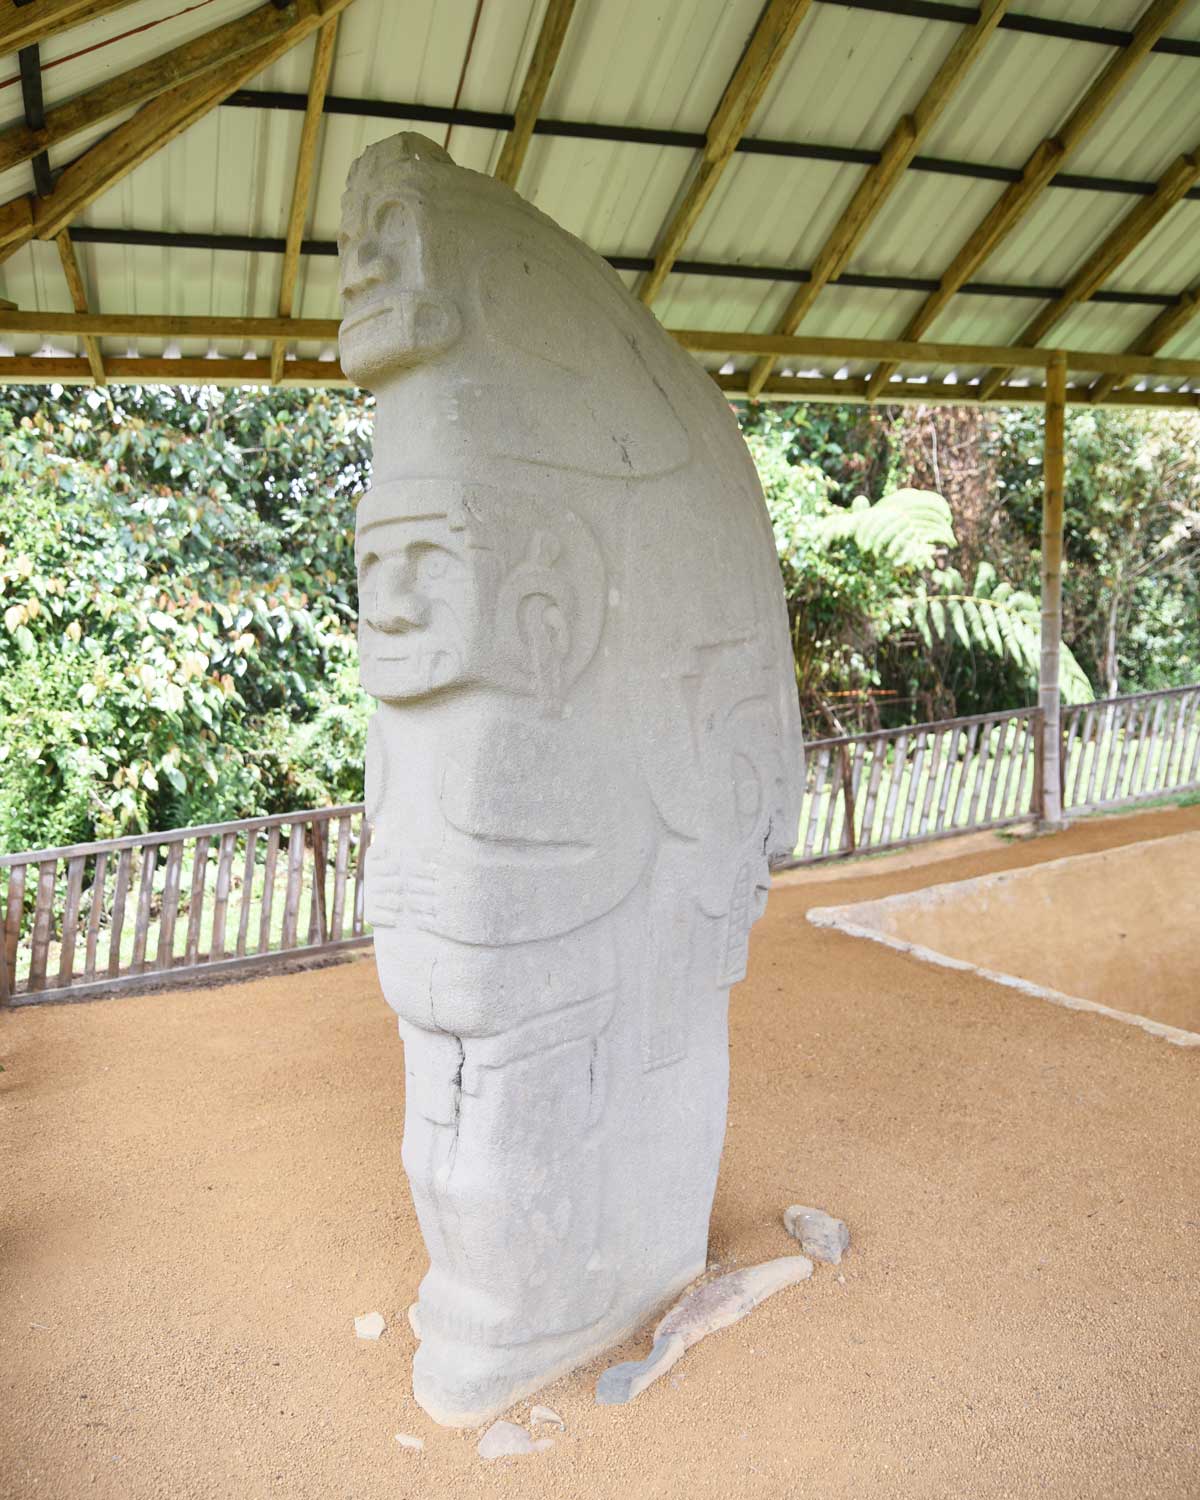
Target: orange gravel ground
200,1190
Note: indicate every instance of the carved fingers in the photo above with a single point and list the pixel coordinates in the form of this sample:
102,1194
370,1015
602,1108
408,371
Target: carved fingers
399,888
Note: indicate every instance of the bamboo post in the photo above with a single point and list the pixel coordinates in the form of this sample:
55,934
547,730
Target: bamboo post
1049,698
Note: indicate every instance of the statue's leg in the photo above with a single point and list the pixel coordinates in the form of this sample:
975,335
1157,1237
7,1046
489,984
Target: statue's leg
512,1182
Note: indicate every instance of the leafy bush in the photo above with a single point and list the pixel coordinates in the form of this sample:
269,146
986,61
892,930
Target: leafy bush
178,603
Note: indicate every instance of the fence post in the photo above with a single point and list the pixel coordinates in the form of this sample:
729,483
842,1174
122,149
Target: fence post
1049,698
847,800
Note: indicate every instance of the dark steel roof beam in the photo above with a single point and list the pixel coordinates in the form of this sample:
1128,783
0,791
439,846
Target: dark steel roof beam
637,135
267,245
1067,31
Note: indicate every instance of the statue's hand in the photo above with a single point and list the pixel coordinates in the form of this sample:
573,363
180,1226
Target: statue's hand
385,890
424,887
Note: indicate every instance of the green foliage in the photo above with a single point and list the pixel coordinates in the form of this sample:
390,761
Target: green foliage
1132,535
871,594
907,527
992,617
178,607
178,604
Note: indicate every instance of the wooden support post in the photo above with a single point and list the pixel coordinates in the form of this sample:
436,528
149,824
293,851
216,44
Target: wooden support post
1049,699
74,276
306,168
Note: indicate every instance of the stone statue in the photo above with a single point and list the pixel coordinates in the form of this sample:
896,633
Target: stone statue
585,754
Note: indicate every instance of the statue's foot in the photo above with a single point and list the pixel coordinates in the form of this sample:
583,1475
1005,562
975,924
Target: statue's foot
466,1384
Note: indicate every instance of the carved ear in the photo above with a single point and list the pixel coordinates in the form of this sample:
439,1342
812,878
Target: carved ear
544,627
536,618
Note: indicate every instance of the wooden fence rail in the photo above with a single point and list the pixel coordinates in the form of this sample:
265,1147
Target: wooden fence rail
125,912
192,902
1128,749
901,786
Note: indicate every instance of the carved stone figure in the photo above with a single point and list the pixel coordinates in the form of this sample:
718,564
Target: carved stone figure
585,753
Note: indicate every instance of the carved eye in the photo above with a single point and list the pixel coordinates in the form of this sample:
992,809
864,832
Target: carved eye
381,217
431,561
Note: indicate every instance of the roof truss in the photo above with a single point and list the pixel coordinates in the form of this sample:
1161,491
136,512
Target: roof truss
533,90
1048,158
306,161
152,127
764,52
878,182
39,19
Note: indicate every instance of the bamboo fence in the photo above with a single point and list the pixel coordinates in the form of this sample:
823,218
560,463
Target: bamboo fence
162,908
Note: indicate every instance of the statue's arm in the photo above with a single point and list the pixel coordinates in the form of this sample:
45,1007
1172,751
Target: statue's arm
488,899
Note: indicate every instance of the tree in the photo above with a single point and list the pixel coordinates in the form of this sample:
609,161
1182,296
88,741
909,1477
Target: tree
867,580
178,603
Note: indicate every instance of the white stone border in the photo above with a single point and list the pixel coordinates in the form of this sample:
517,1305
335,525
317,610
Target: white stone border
842,918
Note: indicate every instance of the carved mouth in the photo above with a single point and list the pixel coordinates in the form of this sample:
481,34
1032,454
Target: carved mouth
356,320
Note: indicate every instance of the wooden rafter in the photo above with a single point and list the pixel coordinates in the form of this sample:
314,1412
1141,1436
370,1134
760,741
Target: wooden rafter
1122,240
533,90
1048,159
1013,357
153,126
764,52
876,187
1170,321
202,55
79,300
793,388
324,330
39,19
32,369
306,162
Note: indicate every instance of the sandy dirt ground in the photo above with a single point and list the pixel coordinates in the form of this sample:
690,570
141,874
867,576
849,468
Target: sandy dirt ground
1137,951
199,1191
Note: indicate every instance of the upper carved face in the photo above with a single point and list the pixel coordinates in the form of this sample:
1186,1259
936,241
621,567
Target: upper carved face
391,316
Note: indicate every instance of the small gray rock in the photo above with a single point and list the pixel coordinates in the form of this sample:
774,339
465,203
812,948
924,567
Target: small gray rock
820,1234
506,1440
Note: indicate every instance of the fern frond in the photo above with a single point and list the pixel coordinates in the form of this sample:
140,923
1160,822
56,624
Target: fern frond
907,527
1005,626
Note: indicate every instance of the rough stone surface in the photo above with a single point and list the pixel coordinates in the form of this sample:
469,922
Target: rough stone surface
820,1234
585,753
507,1440
370,1325
715,1305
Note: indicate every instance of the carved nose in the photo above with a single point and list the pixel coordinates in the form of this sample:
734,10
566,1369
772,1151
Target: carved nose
404,612
363,267
395,607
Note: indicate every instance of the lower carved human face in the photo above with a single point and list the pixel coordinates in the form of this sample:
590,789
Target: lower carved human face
419,608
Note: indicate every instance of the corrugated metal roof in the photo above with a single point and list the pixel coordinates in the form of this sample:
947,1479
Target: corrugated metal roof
850,73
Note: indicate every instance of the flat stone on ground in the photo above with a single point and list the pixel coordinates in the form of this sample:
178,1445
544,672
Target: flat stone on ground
369,1326
507,1440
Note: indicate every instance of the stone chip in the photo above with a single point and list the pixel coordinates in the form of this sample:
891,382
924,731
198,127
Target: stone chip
370,1325
820,1234
507,1440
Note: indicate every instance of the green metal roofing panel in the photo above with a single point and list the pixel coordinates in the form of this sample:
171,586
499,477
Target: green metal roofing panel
852,70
